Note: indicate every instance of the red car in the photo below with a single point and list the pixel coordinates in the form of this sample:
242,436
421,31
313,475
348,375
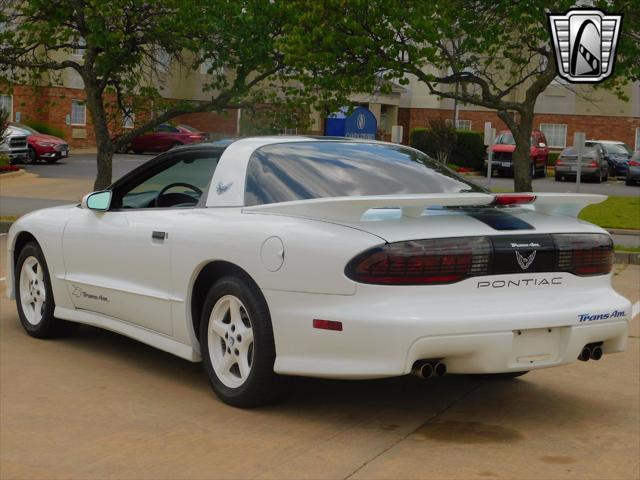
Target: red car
42,146
165,137
505,146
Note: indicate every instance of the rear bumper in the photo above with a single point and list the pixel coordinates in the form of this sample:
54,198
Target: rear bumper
568,172
495,331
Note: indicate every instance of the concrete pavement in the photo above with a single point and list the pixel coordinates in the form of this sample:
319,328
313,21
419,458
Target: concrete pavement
99,405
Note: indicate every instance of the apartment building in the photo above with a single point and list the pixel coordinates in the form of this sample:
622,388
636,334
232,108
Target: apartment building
60,103
561,110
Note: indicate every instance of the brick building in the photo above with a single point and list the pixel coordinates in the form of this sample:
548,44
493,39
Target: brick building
62,105
560,111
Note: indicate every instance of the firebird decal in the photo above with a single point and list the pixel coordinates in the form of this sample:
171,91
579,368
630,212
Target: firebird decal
525,262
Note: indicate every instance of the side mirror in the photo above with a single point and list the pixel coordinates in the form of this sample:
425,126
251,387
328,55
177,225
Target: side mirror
542,145
99,201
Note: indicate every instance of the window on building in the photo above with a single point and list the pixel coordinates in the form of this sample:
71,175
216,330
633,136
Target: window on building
463,124
556,134
78,112
128,119
163,59
637,138
6,104
79,50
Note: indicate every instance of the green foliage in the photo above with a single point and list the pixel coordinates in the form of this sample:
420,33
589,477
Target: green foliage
553,158
43,127
469,150
126,52
615,212
4,160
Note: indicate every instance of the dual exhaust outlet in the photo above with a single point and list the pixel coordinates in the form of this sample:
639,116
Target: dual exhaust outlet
425,369
591,351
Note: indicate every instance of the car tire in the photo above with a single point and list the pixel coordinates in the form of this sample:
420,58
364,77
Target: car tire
237,345
138,152
628,182
175,145
34,296
32,156
558,178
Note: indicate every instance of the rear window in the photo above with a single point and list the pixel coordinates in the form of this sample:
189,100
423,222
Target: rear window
305,170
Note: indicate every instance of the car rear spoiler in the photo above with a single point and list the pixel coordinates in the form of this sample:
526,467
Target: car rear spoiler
351,209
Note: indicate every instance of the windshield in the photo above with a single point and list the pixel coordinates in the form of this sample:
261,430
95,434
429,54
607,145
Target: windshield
506,138
189,129
305,170
617,148
24,127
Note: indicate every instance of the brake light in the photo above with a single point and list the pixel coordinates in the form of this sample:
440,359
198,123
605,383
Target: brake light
559,161
196,137
584,254
593,163
634,163
450,260
422,262
513,199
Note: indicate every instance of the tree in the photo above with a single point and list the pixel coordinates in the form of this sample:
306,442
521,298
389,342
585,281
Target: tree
496,55
127,45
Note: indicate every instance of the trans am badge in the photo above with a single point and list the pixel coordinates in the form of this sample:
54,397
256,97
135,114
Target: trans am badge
585,44
525,262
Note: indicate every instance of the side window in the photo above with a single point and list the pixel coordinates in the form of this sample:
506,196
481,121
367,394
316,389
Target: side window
177,182
164,128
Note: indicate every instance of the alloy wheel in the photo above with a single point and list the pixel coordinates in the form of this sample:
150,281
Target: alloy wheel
230,341
33,294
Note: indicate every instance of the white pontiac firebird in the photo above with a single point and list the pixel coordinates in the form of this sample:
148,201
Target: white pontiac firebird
336,258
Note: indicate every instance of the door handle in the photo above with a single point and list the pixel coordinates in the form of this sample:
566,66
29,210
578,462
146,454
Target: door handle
156,235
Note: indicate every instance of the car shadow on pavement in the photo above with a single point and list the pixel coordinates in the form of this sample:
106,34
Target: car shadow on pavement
546,402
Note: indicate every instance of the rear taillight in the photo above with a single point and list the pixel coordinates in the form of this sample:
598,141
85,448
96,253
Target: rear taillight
593,163
584,254
422,262
450,260
559,161
513,199
634,163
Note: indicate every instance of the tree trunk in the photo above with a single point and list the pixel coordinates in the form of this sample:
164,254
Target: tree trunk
103,137
521,130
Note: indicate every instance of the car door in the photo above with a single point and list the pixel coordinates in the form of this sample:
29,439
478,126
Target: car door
118,262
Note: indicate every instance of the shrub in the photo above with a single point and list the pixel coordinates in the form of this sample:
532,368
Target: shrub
553,158
469,150
4,160
45,128
467,147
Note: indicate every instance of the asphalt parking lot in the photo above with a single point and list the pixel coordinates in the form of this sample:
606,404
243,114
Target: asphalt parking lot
99,405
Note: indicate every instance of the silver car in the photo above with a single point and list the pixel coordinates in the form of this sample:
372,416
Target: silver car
593,165
633,174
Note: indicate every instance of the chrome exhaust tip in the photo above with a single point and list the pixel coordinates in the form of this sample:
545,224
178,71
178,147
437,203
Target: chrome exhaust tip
596,353
440,369
585,354
422,370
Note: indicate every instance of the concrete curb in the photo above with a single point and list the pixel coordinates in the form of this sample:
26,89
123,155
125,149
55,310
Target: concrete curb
623,231
632,258
19,173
